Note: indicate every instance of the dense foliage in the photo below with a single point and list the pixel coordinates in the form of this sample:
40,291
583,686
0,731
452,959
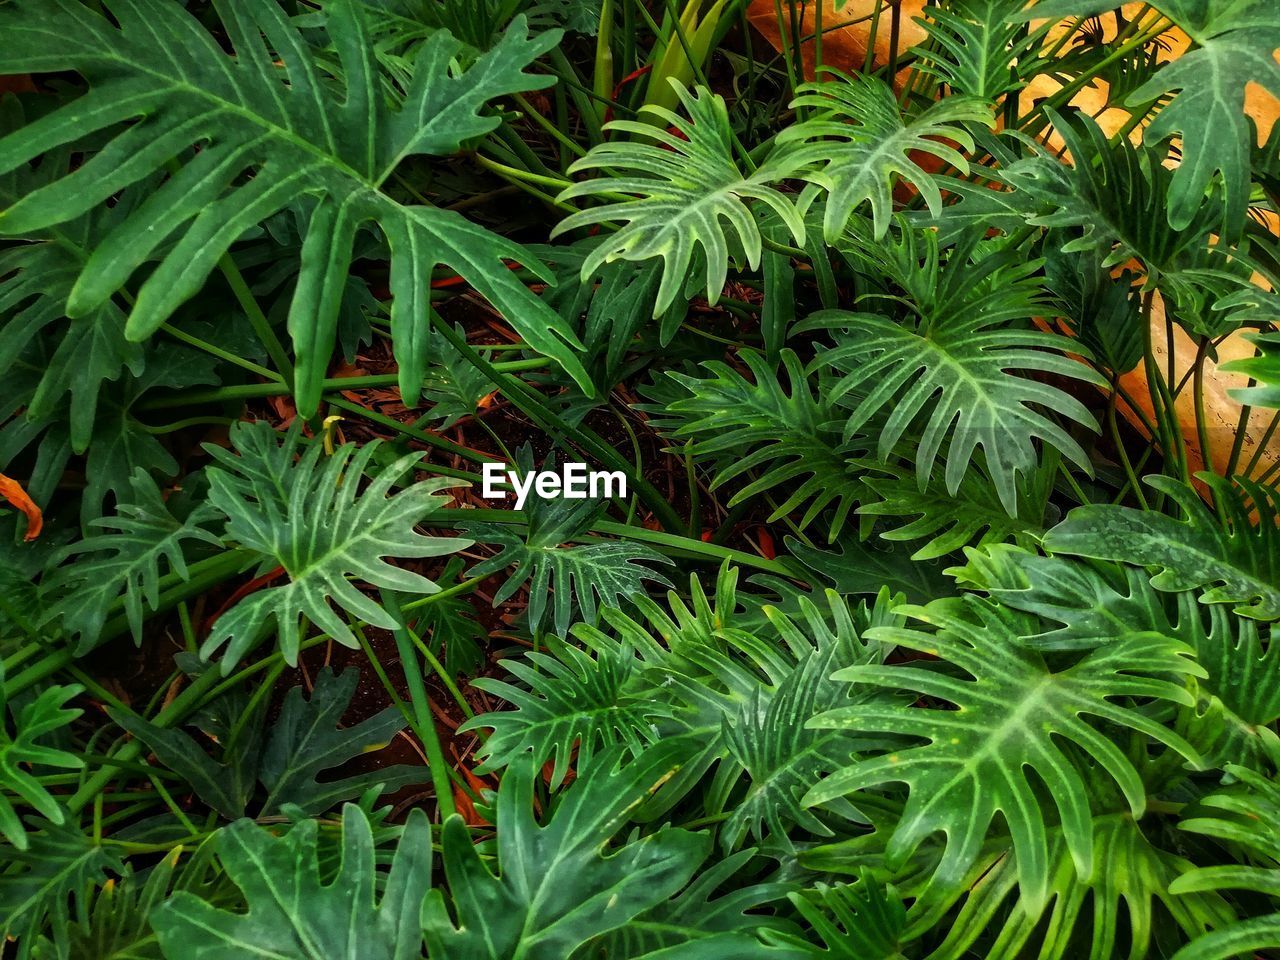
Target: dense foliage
937,621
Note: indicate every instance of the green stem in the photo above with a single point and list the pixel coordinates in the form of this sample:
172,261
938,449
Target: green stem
215,351
425,726
258,319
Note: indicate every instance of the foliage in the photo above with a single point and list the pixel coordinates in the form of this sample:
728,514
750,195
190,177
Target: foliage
937,619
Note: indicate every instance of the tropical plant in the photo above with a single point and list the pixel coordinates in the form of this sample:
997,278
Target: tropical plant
937,617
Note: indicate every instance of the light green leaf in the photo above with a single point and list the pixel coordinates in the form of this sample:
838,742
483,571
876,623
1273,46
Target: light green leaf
1015,714
966,369
311,518
678,188
856,143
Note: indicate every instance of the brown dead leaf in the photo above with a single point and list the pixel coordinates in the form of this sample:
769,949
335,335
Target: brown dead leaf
12,491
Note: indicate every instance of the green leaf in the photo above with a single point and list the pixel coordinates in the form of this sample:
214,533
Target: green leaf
570,702
862,921
162,85
780,755
114,924
948,522
225,786
128,558
561,575
781,441
311,518
677,191
1240,817
865,567
974,760
1233,560
37,280
856,143
1234,44
306,741
964,369
43,715
1263,368
696,925
975,50
39,885
293,914
559,885
1127,897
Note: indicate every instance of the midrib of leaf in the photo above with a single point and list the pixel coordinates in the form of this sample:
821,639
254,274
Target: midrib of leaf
341,549
997,735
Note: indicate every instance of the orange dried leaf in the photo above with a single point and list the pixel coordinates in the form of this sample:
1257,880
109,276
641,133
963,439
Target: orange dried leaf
12,491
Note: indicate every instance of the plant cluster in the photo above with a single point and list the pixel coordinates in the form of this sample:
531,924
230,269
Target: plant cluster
938,620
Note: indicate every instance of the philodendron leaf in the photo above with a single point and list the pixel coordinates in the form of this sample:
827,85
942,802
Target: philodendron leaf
856,144
1234,561
686,182
223,786
1263,369
127,558
561,884
1014,713
41,885
311,518
1233,45
1243,816
271,127
563,575
43,715
306,741
293,914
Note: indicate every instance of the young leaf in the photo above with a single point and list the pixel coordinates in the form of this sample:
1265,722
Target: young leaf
684,184
977,51
575,702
